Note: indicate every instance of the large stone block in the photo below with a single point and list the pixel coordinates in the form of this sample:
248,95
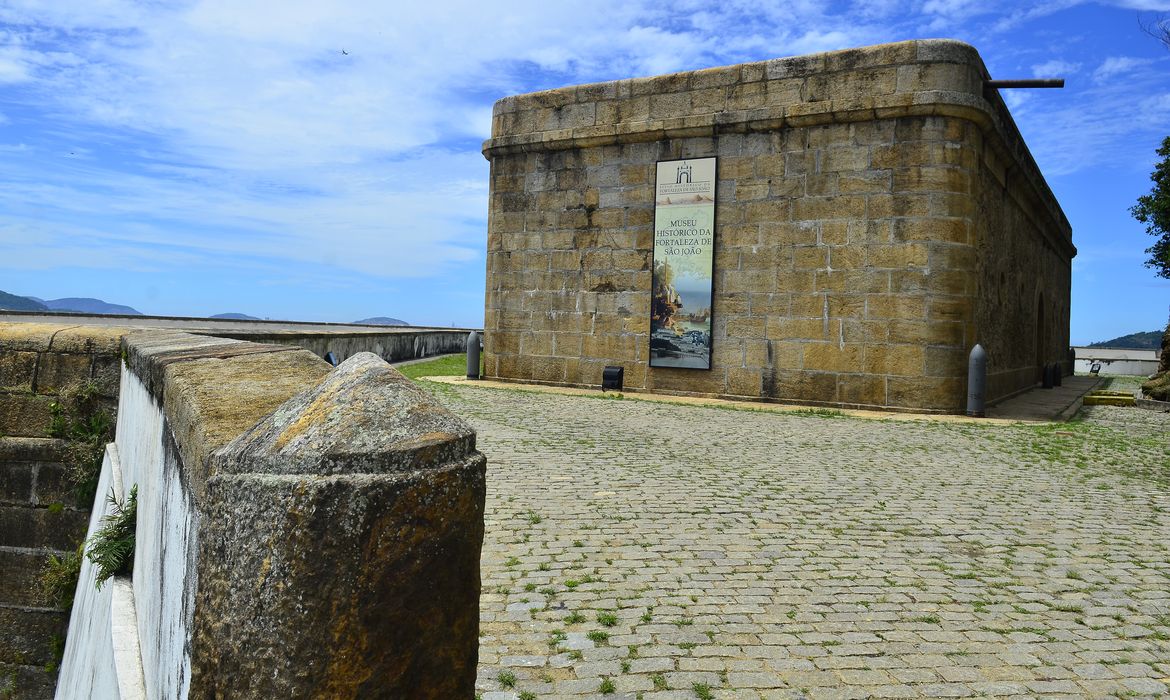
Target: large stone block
686,380
42,527
26,337
903,360
861,389
548,369
798,385
831,357
744,381
16,483
27,682
340,553
21,583
58,371
17,370
25,415
940,394
31,636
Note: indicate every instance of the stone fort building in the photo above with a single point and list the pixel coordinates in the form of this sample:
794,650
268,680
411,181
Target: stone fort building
877,215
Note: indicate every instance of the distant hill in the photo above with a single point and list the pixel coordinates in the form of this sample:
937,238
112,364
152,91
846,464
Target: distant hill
236,317
382,321
89,305
13,302
1150,340
85,305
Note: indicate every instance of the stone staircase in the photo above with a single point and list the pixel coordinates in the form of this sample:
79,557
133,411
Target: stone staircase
40,515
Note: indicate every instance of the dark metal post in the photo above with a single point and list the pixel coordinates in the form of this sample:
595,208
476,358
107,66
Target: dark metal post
976,381
1046,377
473,355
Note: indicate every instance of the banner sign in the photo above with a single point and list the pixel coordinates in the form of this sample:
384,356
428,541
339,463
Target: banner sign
684,255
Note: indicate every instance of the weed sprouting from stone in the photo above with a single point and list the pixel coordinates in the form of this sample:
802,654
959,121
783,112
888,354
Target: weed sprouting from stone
506,679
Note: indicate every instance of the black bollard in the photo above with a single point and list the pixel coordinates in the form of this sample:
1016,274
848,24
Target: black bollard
473,355
976,381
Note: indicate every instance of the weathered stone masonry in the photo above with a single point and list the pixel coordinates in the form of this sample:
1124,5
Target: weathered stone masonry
303,530
877,215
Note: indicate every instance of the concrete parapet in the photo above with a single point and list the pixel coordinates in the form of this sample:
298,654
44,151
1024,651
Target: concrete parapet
392,346
391,343
340,556
302,532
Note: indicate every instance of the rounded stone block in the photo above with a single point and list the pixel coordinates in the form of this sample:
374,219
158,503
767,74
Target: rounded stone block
345,586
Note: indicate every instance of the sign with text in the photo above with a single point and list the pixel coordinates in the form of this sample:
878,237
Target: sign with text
684,255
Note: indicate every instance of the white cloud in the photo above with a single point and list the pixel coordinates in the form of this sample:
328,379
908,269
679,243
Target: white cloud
1055,69
1116,65
348,132
1145,5
1016,99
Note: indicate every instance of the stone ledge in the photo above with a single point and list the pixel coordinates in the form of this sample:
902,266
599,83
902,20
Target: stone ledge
340,548
213,389
364,417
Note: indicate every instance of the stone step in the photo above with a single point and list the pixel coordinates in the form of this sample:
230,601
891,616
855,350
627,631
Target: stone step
23,414
27,682
32,473
42,528
33,637
21,583
34,449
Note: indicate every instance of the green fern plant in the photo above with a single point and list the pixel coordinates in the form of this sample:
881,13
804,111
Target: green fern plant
59,578
111,548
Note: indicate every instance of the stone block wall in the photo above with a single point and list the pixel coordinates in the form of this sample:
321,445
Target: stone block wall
872,207
40,514
303,531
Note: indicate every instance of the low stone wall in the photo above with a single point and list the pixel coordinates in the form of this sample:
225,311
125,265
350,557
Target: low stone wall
391,343
41,515
302,531
39,361
407,344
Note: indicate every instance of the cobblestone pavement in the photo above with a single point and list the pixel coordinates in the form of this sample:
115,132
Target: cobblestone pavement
658,551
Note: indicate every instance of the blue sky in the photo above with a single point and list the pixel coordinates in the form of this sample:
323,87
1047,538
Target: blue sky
192,158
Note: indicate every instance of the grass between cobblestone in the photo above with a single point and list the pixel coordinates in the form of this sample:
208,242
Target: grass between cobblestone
663,551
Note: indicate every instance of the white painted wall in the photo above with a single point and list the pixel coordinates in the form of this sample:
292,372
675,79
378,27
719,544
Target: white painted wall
101,652
164,562
1129,368
131,640
87,669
